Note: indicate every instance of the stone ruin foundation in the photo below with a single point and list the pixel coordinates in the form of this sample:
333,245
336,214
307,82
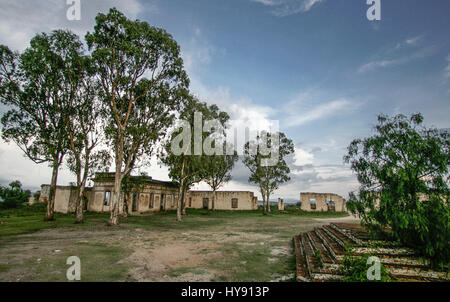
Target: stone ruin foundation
330,242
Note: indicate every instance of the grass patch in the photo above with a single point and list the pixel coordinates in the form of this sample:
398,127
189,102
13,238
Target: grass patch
245,263
98,263
4,268
30,219
186,270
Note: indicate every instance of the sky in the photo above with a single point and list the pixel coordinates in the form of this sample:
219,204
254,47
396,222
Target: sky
319,67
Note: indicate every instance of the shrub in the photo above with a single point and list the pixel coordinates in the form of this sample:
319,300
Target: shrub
403,171
355,269
13,197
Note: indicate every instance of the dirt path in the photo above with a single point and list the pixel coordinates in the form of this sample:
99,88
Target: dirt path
244,249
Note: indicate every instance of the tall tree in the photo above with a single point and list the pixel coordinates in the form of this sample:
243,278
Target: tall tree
403,172
217,171
216,167
268,170
142,84
185,166
38,86
85,126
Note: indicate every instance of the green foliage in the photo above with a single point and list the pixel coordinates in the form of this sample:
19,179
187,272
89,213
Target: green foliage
143,84
14,196
139,109
37,86
268,177
35,209
318,258
403,171
187,168
355,269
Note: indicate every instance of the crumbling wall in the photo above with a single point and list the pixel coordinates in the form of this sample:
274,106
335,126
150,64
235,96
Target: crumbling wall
323,202
224,200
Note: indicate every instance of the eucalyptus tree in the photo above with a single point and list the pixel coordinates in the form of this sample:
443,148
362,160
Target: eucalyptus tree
265,158
142,83
219,156
403,170
217,170
185,165
38,86
85,126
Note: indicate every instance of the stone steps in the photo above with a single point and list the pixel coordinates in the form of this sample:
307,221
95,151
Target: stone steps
319,254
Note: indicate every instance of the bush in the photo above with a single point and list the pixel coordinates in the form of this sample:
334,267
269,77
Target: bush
13,197
355,269
403,170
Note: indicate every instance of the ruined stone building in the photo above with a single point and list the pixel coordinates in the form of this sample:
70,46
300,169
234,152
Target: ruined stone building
322,202
145,195
225,200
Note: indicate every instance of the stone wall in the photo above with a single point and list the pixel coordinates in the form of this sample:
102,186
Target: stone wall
323,202
65,198
164,198
280,204
152,196
224,200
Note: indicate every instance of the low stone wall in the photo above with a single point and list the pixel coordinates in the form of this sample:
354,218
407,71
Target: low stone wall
232,200
323,202
65,198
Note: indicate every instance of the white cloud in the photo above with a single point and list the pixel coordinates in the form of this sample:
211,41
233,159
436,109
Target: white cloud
282,8
197,54
403,53
378,64
304,115
447,69
20,20
414,40
303,157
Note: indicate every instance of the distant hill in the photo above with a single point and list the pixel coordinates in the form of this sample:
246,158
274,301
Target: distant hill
274,202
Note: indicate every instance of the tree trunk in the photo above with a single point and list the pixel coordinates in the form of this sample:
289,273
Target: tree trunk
114,218
268,203
125,205
179,201
264,203
214,200
180,191
80,203
81,188
49,215
184,202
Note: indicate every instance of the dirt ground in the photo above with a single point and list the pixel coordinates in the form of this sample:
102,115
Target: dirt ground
245,249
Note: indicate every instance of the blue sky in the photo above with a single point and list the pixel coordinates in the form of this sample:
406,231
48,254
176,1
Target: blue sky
320,67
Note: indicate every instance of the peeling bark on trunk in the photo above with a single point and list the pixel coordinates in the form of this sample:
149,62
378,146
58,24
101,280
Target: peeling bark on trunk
49,215
183,212
81,188
179,201
180,192
80,203
214,200
264,203
114,218
125,206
